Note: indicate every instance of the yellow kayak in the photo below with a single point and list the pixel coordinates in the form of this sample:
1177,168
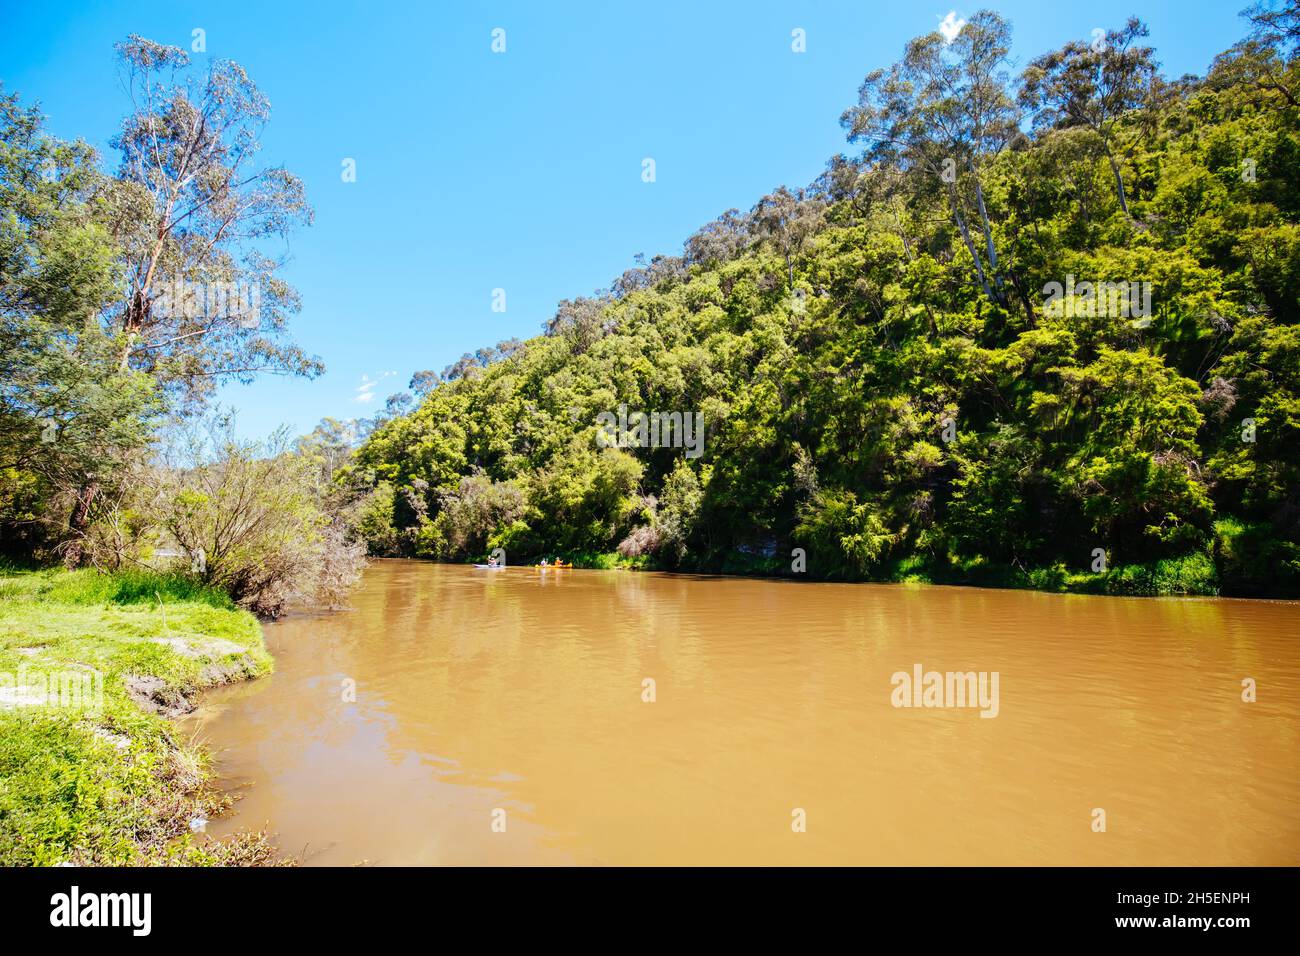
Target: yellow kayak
543,567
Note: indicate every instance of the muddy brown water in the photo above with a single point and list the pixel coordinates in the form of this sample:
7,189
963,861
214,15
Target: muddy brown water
501,717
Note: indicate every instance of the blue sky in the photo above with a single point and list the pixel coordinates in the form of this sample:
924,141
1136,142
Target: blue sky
521,170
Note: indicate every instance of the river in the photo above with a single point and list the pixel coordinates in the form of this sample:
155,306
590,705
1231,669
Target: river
462,716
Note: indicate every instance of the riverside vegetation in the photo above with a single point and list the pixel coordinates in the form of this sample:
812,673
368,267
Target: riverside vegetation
172,533
899,368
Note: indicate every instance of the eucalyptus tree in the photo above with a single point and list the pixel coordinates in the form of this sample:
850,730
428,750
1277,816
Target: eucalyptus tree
945,111
508,348
461,368
187,213
329,444
1266,59
192,206
1107,86
423,382
985,118
426,380
1276,24
788,218
645,275
581,322
719,240
842,185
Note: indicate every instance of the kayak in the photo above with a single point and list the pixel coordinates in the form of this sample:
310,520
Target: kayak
559,567
491,567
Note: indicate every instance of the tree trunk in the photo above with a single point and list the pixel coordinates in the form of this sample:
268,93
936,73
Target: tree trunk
137,307
988,231
970,246
1024,300
79,523
1119,181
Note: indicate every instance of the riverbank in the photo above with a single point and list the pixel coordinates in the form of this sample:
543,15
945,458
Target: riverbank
1232,565
92,666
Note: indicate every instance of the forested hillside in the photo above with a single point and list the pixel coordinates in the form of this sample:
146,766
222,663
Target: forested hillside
887,377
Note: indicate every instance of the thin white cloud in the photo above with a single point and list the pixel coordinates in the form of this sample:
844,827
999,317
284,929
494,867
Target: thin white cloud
365,392
950,26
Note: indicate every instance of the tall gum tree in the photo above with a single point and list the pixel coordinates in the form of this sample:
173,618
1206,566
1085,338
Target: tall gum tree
192,207
944,110
189,209
1109,86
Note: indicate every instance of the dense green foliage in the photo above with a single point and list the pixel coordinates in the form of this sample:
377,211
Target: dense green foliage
69,412
882,377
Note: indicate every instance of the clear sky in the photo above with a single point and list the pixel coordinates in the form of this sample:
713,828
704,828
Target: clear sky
520,170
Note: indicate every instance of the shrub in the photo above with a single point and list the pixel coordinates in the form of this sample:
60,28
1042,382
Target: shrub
374,520
643,540
1252,559
1190,574
252,520
469,515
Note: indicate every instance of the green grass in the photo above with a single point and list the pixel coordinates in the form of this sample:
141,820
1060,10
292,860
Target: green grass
113,784
93,588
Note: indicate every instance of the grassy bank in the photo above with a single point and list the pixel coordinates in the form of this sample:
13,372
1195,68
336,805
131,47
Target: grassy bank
92,666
